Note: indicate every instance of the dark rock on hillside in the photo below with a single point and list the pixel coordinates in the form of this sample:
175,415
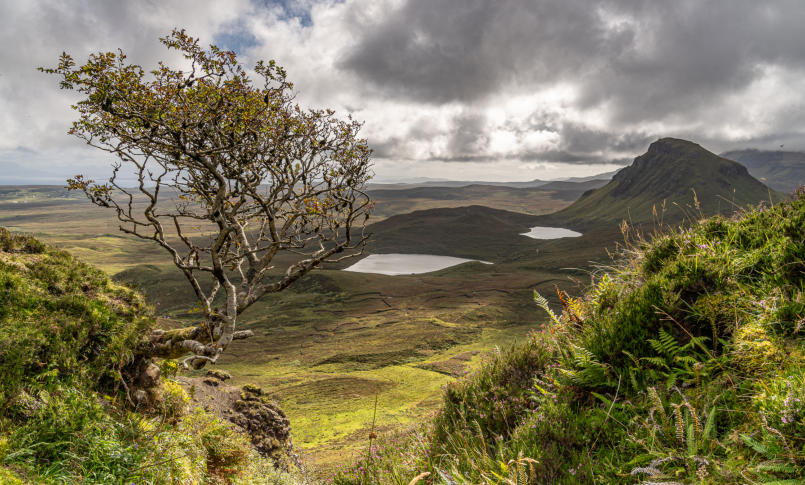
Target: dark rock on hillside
251,410
266,424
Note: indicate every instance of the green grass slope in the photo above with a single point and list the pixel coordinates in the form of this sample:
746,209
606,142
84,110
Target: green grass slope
683,363
563,190
670,171
550,197
784,171
467,232
65,331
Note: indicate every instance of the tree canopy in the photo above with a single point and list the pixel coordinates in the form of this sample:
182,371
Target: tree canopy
228,172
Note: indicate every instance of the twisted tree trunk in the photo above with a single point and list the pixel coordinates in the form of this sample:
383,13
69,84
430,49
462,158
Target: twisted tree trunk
173,344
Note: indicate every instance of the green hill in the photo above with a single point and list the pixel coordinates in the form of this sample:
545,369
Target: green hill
784,171
690,181
561,189
684,362
669,172
66,415
467,232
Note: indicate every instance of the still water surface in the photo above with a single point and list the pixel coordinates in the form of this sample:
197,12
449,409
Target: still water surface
397,264
540,232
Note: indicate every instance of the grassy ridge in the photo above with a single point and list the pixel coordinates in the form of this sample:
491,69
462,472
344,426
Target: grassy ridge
535,200
60,317
65,331
685,363
470,232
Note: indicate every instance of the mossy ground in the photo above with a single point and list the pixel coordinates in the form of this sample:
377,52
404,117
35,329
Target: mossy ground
66,330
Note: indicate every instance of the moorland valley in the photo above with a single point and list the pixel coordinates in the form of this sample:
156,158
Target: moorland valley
349,352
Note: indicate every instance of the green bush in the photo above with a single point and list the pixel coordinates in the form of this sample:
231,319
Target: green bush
65,332
493,399
69,437
61,317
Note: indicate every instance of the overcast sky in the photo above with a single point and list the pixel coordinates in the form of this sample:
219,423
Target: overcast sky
456,89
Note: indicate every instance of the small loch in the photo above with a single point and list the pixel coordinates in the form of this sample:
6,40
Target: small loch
540,232
401,264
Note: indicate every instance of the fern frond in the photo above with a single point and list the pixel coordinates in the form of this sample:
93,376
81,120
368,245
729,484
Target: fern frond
693,417
686,359
756,445
521,476
631,356
633,377
658,406
601,288
656,345
669,344
709,425
656,361
543,303
772,467
691,439
649,471
584,356
696,342
541,390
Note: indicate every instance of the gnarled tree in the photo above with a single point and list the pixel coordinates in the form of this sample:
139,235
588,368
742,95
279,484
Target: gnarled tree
226,173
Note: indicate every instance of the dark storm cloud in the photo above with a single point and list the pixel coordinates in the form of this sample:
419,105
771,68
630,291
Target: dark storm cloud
578,138
556,81
688,55
648,59
462,50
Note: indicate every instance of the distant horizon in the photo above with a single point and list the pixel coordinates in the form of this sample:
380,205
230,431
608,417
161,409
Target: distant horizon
384,180
416,180
581,171
389,181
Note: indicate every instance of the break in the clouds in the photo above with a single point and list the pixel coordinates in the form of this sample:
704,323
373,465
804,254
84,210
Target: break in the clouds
483,89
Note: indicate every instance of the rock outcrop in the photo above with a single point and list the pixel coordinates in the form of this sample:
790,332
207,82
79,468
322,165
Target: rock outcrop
251,410
267,425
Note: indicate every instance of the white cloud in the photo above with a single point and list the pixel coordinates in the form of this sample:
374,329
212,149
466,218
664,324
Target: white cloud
476,95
